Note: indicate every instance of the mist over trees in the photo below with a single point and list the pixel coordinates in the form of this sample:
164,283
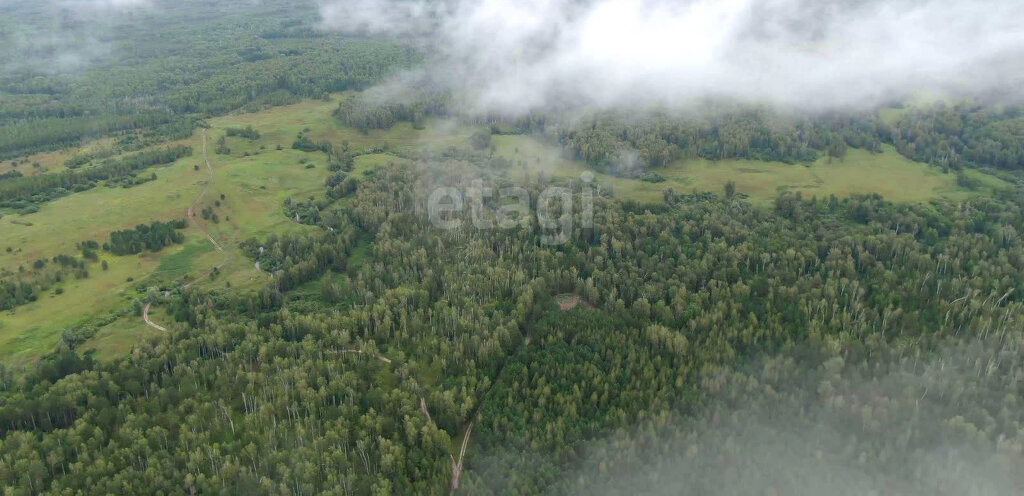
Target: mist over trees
694,344
518,56
259,55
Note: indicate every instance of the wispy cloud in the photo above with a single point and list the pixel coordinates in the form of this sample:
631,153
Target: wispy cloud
106,4
524,54
56,36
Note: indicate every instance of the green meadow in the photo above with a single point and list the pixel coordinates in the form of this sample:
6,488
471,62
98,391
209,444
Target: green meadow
888,173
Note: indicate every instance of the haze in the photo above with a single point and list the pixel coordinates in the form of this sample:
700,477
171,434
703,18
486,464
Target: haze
520,55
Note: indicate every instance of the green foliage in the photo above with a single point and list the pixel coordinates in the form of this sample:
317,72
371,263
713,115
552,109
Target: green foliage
247,132
17,289
153,237
685,301
41,188
356,112
963,135
480,140
264,54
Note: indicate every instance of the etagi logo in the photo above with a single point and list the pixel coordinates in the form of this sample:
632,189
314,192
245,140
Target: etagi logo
553,210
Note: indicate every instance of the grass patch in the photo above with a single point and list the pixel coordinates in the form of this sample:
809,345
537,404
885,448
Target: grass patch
117,339
888,173
32,330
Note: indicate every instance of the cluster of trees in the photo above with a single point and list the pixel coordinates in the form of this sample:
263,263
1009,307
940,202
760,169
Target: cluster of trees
949,136
341,184
209,214
23,191
357,112
622,144
247,132
29,284
132,180
86,158
304,143
962,135
381,338
304,212
153,237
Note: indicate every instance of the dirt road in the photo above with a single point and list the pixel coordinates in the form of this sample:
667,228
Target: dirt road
145,316
199,224
202,228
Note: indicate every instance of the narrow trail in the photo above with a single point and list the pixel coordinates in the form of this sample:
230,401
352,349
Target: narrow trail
467,429
145,317
199,224
457,464
202,228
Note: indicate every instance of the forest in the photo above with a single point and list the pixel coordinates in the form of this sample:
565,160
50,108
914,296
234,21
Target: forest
284,385
699,343
265,54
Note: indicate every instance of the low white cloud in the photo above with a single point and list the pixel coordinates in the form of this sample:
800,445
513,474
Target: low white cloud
107,4
62,36
525,54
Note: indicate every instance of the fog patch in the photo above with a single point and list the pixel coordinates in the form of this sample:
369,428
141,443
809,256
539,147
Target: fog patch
949,422
522,55
63,36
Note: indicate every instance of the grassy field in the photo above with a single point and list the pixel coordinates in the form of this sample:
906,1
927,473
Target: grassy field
116,339
31,330
888,173
247,193
93,214
250,184
50,161
253,190
281,125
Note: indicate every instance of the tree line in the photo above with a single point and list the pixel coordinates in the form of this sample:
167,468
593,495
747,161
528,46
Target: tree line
25,191
153,237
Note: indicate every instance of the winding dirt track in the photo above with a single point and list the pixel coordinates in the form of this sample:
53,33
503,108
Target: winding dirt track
202,228
199,224
145,316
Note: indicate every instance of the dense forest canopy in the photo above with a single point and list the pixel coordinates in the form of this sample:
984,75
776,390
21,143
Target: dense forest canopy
287,388
591,344
159,69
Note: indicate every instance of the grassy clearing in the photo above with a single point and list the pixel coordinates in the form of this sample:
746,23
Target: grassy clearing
888,173
254,189
31,330
254,179
116,339
51,161
281,125
94,214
